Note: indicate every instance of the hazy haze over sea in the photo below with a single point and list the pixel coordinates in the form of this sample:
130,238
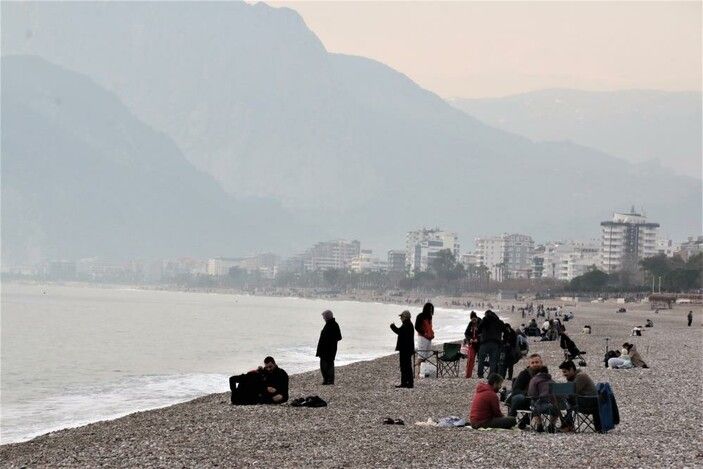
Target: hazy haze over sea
74,354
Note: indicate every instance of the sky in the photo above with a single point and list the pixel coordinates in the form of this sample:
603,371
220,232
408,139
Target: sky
487,49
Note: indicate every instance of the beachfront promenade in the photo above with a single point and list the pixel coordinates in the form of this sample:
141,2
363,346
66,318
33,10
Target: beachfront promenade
660,410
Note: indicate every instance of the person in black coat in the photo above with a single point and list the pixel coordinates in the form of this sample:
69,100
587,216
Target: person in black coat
405,347
327,347
491,337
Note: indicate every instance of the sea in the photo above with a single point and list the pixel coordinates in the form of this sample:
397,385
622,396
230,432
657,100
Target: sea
76,354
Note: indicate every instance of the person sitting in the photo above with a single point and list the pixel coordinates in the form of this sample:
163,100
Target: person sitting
543,401
532,329
618,359
485,406
583,387
275,383
634,355
636,331
649,323
569,347
518,394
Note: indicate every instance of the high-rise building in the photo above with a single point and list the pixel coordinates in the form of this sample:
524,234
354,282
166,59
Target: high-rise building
396,260
336,254
422,246
627,239
507,255
691,247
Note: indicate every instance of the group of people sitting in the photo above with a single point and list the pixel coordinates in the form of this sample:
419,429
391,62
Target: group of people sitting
267,384
530,391
628,357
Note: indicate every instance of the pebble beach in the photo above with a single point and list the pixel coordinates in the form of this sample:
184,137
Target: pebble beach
660,410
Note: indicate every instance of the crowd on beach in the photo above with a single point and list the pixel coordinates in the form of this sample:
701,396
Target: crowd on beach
491,346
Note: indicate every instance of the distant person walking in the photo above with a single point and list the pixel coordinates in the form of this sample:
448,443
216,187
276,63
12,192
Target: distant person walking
690,318
327,347
425,334
405,347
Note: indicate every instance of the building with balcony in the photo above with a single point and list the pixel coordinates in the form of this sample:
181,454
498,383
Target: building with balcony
625,240
506,255
422,246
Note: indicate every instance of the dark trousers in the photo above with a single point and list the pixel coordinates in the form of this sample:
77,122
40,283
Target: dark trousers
690,320
518,402
327,370
498,422
492,350
406,369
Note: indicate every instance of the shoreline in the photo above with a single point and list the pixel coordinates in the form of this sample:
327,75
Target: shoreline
657,428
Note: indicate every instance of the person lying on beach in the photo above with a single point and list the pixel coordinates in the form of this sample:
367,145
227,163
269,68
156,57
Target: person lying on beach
485,406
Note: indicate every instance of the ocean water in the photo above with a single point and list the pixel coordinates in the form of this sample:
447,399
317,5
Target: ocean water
72,355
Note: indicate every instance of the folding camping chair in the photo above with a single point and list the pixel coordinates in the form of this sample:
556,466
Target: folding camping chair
448,362
586,414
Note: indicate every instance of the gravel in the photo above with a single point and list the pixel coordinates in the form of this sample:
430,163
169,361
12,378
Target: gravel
660,409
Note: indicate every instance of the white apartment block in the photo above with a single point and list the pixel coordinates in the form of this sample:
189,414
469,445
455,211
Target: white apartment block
566,260
336,254
366,262
506,255
421,246
219,266
627,239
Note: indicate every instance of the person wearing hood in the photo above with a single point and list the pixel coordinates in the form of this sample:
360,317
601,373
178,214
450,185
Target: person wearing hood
405,348
327,347
543,401
485,405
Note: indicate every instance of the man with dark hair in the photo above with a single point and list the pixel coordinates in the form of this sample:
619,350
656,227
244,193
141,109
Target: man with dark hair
518,394
327,347
585,394
472,339
405,347
485,406
275,383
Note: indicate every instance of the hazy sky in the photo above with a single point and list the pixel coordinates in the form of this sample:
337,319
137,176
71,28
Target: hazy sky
478,49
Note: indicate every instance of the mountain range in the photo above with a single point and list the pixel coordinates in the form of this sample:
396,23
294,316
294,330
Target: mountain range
638,125
346,144
81,176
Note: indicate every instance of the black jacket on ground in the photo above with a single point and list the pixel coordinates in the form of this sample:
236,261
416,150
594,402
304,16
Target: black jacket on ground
327,345
491,328
405,343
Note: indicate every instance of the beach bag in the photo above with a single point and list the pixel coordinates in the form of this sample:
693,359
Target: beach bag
428,370
464,349
310,401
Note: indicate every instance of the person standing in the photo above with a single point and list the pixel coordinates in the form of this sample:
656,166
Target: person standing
690,318
405,347
425,334
471,335
490,332
327,347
